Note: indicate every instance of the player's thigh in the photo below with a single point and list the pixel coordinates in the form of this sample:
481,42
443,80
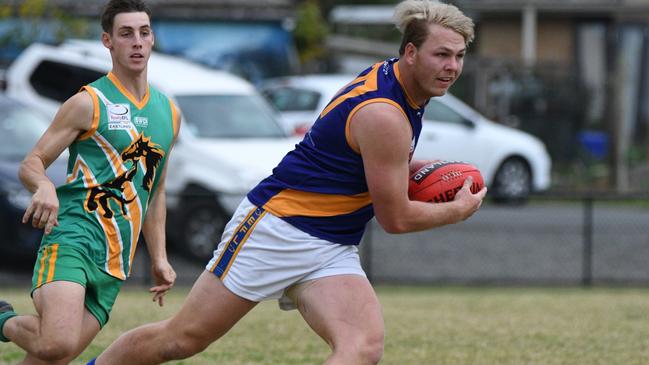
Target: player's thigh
210,310
342,307
60,306
64,263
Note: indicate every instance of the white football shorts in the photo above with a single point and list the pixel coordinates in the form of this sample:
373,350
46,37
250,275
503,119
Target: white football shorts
261,256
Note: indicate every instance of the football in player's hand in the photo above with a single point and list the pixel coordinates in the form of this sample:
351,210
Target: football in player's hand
439,181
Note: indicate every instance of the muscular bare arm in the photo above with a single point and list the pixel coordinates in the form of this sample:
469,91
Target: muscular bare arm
383,136
73,118
153,229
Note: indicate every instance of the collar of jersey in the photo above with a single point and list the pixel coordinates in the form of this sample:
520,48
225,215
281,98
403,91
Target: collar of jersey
408,98
118,84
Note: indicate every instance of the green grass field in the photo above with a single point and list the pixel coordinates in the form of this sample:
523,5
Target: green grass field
424,325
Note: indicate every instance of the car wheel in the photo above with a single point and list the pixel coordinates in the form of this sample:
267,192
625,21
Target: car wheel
201,229
512,183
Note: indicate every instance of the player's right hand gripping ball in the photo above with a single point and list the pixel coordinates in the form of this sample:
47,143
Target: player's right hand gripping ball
439,181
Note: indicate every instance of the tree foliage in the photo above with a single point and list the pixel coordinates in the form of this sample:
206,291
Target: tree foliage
39,20
310,31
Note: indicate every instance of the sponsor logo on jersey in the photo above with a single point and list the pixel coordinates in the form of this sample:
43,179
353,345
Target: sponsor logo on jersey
413,144
119,116
141,122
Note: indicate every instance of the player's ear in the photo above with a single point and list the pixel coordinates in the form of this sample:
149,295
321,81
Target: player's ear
409,53
106,40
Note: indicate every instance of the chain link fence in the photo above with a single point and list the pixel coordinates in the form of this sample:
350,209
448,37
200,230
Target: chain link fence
551,240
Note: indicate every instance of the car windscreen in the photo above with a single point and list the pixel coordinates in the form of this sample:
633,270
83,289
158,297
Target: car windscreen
438,112
291,99
20,129
228,116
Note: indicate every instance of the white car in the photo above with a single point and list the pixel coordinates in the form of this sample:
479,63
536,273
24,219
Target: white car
229,140
513,163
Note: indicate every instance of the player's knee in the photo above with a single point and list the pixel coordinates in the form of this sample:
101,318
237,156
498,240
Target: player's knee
362,349
53,350
371,349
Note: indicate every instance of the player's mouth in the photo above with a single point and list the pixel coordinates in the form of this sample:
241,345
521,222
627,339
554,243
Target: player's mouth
445,80
137,56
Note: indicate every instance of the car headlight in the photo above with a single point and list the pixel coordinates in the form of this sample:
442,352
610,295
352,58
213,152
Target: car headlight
19,198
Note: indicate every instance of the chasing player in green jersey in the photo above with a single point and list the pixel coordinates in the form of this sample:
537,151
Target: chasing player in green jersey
119,132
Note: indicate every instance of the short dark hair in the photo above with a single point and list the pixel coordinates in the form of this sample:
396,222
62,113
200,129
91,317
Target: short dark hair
115,7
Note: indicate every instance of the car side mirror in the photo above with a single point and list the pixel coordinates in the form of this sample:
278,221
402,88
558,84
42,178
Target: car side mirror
468,123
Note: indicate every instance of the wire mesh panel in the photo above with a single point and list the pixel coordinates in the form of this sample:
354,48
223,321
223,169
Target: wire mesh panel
541,242
550,240
620,242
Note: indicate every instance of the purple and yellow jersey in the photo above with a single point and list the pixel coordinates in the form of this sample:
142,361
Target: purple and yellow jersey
320,186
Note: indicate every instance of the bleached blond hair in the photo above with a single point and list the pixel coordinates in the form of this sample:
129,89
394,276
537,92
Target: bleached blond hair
412,18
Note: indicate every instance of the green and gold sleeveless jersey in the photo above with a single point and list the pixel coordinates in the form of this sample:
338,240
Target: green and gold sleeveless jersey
113,172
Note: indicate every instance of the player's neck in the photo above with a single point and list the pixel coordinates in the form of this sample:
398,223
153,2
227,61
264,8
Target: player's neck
410,86
134,82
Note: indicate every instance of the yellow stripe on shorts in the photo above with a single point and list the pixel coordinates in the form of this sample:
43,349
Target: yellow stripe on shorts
222,265
42,266
50,251
52,263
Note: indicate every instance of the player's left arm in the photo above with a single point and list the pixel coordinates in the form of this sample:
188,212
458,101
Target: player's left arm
153,229
383,136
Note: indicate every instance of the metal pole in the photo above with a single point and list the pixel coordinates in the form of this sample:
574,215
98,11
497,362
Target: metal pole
587,254
528,37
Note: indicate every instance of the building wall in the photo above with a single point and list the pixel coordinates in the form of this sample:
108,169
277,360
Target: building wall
501,37
555,41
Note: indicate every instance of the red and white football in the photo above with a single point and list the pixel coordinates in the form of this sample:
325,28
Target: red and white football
439,181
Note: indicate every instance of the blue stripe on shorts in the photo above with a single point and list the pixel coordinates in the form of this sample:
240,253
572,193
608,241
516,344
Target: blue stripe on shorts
239,237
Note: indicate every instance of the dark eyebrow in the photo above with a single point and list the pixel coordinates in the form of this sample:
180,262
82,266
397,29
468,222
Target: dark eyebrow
126,27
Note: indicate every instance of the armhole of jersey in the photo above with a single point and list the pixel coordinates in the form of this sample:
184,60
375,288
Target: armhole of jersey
370,83
348,123
95,114
174,117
